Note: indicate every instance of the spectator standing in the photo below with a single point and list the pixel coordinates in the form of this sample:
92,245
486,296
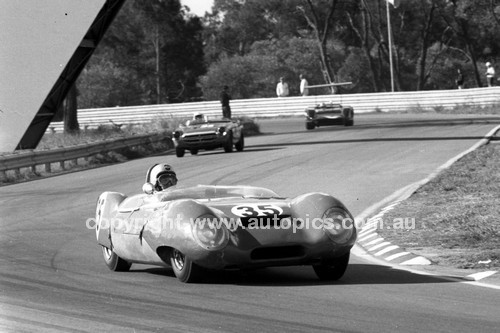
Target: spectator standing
282,88
304,91
224,101
490,74
460,79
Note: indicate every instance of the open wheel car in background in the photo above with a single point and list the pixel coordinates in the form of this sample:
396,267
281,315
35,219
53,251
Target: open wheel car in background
204,134
327,114
224,227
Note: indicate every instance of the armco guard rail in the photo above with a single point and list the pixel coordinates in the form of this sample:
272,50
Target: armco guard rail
289,106
268,107
32,159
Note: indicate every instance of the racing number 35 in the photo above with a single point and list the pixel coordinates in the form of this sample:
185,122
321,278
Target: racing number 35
250,210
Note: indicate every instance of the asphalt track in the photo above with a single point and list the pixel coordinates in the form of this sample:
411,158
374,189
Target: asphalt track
53,278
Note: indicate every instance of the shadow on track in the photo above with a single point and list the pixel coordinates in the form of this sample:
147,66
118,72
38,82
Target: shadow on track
248,149
366,124
356,274
400,139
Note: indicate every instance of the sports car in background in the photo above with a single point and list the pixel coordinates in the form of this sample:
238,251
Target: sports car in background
326,114
203,134
224,227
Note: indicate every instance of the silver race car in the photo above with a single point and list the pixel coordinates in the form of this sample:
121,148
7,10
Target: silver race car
223,227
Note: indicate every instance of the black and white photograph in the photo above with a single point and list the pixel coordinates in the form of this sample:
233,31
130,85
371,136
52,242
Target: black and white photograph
250,166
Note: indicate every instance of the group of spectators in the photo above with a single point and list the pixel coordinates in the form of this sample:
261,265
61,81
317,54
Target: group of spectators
490,76
283,91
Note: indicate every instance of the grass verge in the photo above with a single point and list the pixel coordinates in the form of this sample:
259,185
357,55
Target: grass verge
457,109
456,215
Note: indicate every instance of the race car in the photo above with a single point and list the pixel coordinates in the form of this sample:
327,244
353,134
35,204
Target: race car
326,114
201,133
191,229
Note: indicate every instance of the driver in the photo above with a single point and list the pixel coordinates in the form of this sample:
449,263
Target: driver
199,118
162,176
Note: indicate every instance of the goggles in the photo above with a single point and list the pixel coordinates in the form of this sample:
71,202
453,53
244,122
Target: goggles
167,179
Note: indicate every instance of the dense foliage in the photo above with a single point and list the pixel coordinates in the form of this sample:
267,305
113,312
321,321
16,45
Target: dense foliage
156,51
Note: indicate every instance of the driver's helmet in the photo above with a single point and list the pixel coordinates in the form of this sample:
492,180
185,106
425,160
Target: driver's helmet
162,176
199,117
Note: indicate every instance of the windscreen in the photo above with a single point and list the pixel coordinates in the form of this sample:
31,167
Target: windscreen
212,192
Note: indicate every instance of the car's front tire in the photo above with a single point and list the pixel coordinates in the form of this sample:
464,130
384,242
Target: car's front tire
332,270
228,147
194,151
240,145
179,152
184,269
113,261
310,125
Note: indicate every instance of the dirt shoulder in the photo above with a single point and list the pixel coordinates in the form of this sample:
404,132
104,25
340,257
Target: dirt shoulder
454,217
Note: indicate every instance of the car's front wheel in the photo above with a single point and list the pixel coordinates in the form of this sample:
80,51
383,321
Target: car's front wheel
194,151
310,125
228,147
179,152
113,261
240,145
332,270
184,269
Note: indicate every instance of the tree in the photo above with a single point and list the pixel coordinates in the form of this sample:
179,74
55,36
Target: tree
475,30
70,112
234,26
321,27
152,53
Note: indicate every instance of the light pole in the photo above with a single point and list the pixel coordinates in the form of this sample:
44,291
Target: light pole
389,38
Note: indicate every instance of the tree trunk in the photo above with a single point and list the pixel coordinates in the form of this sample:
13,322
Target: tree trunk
70,112
322,35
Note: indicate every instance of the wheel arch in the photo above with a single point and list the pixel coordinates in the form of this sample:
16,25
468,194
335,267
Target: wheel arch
107,206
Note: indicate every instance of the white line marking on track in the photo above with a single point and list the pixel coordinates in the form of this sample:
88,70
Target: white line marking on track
480,275
416,261
375,241
362,239
387,249
397,255
378,246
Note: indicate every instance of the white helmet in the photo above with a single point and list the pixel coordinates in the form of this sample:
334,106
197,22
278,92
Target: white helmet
488,64
161,176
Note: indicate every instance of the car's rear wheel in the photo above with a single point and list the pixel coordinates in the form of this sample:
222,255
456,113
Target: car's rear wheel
310,126
228,147
179,152
113,261
194,151
240,145
184,269
332,270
